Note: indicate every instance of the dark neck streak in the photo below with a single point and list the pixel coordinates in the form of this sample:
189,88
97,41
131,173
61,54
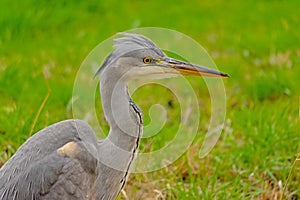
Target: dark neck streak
140,116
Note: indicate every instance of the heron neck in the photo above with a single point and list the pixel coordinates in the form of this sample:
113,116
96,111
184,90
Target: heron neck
123,115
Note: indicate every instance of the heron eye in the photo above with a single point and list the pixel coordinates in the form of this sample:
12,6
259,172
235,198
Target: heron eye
147,60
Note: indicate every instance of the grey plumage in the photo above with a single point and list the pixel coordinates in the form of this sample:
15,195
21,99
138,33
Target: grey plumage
36,168
130,44
65,160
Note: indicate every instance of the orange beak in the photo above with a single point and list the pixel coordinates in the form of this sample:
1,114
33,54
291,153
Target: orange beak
186,68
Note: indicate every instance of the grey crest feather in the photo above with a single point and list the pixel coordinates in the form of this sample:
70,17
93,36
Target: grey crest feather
128,43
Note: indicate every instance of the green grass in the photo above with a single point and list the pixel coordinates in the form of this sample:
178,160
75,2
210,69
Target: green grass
42,45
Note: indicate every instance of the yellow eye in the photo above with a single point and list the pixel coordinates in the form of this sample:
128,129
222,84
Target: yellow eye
147,60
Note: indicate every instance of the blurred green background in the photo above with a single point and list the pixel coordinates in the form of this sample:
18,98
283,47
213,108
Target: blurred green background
42,45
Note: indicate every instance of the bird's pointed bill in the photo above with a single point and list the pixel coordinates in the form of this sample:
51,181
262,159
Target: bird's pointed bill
186,68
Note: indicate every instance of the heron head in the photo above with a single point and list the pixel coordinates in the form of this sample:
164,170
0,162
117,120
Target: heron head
136,56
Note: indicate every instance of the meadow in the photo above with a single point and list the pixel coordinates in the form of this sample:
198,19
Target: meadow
42,45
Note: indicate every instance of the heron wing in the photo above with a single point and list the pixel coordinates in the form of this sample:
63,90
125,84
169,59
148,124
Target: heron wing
59,162
77,176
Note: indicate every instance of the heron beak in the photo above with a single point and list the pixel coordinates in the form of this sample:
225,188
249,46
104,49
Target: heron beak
186,68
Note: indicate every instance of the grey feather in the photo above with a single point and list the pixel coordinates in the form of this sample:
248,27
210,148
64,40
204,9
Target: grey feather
125,45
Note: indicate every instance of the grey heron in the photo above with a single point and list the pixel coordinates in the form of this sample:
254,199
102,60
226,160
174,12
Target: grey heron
64,160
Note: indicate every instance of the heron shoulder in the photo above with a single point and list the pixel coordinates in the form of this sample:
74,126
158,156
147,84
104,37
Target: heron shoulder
50,139
38,157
